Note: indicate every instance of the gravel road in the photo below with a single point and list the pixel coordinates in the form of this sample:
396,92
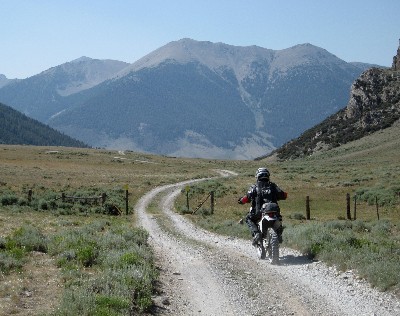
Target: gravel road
206,274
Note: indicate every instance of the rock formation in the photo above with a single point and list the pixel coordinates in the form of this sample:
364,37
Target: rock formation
396,59
374,105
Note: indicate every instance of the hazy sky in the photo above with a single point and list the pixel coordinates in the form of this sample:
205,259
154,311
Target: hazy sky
40,34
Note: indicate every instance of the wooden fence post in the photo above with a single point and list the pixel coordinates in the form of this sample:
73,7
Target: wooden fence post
348,206
30,195
126,201
63,197
103,198
377,207
212,201
187,189
308,215
355,207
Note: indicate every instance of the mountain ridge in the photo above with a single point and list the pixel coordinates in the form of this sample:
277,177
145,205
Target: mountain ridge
260,91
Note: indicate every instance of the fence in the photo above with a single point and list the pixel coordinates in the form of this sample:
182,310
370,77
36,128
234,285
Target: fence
348,207
212,202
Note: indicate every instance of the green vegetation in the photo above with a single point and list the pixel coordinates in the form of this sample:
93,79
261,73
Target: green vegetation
122,262
372,249
89,261
103,264
16,128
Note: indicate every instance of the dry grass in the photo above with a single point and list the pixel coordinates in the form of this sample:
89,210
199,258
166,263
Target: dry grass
372,163
37,288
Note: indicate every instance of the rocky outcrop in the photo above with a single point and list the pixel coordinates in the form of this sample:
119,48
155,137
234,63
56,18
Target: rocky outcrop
374,105
396,60
375,97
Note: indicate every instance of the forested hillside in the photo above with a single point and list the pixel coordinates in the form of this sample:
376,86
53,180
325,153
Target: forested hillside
18,129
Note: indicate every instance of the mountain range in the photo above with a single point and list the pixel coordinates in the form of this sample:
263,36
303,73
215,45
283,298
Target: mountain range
190,98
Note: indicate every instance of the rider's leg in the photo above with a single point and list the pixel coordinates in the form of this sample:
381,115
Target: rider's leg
279,231
251,223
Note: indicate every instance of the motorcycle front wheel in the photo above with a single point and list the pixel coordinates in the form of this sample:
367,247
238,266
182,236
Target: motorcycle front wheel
261,251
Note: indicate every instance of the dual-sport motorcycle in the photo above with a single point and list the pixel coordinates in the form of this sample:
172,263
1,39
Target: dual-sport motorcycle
269,225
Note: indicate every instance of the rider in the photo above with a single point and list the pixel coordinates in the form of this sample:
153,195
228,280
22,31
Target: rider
264,191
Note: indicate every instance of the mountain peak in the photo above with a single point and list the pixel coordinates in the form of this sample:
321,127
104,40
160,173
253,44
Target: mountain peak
81,59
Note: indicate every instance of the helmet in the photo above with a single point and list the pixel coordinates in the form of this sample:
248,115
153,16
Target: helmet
262,174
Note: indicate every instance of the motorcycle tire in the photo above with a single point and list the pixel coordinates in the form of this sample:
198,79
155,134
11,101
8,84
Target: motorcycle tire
273,246
261,251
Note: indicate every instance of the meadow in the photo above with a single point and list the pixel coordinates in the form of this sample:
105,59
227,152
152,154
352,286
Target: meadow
101,264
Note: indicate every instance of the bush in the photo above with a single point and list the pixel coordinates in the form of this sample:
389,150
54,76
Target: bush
8,199
384,195
123,263
9,262
297,216
371,249
13,248
30,238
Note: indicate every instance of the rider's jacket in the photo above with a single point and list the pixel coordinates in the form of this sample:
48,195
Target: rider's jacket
263,192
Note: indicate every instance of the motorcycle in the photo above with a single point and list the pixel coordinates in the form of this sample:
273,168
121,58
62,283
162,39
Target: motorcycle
269,225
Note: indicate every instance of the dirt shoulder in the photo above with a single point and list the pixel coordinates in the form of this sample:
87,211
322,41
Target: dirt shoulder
207,274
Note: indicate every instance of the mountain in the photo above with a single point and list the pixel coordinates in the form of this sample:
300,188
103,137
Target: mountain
18,129
44,95
374,105
197,99
5,81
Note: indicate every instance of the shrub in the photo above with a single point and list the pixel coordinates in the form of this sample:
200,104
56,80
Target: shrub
8,199
371,249
13,248
297,216
30,238
123,263
9,262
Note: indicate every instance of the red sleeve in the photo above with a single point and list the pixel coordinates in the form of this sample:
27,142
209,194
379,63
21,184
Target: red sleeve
245,199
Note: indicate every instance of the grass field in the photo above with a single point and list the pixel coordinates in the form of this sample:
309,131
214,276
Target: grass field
66,244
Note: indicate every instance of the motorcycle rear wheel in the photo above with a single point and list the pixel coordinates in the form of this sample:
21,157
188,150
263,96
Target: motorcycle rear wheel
273,246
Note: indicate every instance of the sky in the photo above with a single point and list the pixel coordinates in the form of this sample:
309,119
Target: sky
36,35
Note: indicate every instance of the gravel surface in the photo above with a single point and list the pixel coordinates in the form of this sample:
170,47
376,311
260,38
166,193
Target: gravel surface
206,274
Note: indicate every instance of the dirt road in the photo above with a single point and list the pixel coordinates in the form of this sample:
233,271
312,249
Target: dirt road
207,274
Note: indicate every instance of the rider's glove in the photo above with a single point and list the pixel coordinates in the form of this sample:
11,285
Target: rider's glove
240,201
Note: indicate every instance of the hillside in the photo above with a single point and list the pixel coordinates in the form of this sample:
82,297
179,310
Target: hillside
193,99
374,105
18,129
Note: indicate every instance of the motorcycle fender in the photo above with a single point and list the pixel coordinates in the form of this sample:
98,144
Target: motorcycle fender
265,224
